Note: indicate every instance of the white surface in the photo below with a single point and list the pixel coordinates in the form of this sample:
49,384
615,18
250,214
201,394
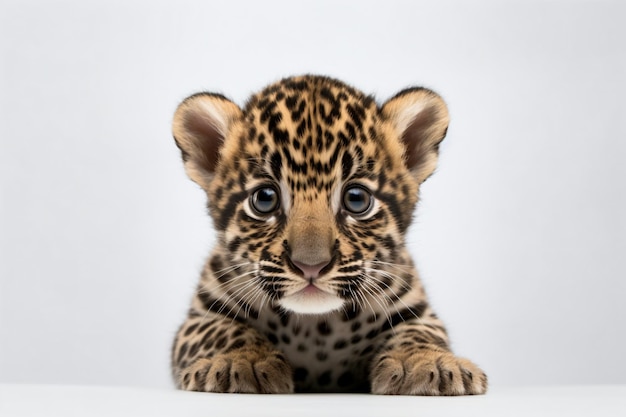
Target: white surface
68,401
520,235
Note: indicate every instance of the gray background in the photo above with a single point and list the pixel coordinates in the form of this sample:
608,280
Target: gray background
520,236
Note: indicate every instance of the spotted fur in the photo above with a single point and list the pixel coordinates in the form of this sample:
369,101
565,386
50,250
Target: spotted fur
310,287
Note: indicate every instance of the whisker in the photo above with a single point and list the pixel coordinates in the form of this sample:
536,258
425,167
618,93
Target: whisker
396,278
363,288
250,296
210,286
208,289
233,296
229,268
395,295
240,299
405,268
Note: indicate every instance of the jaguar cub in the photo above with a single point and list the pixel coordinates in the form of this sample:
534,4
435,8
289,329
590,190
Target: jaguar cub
310,288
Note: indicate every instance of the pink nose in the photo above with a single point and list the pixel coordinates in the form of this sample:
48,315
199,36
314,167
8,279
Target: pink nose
310,271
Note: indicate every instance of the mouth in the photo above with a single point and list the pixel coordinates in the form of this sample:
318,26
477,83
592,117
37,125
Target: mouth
311,300
311,290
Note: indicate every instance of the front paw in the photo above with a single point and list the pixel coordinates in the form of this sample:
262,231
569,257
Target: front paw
249,371
426,372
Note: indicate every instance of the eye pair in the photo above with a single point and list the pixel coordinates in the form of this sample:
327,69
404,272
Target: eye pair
356,200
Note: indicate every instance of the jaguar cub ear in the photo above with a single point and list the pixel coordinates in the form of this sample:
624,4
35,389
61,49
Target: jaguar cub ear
420,119
201,123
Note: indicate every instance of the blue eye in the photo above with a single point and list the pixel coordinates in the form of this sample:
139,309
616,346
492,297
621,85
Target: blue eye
264,200
357,200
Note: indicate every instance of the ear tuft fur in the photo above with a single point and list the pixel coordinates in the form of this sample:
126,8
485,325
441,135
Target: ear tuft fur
420,119
201,124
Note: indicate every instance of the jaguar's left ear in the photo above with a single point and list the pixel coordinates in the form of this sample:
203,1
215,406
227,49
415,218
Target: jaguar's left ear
420,119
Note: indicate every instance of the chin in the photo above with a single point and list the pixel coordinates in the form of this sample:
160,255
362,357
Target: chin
307,303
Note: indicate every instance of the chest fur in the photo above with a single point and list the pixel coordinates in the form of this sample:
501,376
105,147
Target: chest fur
327,353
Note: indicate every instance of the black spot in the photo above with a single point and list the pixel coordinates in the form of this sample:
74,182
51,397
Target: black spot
389,242
324,379
404,315
355,326
190,329
400,214
216,263
208,337
219,192
285,339
272,338
356,339
468,378
291,102
232,247
357,114
443,382
297,113
268,114
279,356
367,350
276,162
251,133
182,352
420,339
299,133
302,348
340,344
229,210
263,104
351,130
272,325
217,307
321,356
345,379
351,314
296,85
237,344
323,328
200,378
280,136
300,374
346,165
220,343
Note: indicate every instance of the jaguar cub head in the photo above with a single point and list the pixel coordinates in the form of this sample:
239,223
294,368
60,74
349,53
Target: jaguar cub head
311,187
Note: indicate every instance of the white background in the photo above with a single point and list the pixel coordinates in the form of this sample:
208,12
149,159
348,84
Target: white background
520,236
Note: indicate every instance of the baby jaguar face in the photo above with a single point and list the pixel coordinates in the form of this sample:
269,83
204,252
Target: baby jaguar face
311,187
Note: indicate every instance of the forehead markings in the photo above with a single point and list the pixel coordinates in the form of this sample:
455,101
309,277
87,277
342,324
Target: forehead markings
313,124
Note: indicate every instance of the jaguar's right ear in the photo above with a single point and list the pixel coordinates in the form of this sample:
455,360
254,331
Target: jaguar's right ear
201,123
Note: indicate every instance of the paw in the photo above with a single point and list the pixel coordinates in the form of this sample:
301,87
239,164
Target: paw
426,372
249,371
